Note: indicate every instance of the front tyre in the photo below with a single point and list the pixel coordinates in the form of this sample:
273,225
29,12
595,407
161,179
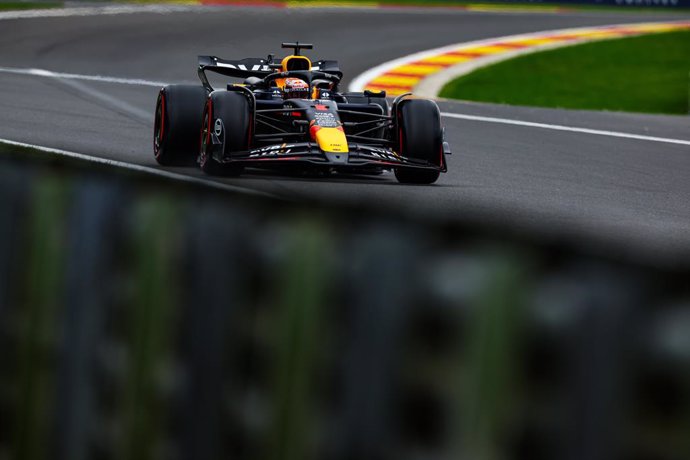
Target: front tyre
177,124
420,137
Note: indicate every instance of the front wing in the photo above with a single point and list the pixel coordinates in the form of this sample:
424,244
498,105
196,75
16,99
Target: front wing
310,153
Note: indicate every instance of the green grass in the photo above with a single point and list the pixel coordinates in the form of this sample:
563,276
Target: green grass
648,74
9,6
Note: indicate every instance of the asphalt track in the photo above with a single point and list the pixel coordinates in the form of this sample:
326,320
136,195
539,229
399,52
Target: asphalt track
631,193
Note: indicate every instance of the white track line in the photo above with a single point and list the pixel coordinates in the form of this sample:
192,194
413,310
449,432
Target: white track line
145,169
93,11
75,76
142,82
571,129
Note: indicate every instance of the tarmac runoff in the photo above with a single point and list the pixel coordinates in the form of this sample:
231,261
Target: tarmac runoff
427,72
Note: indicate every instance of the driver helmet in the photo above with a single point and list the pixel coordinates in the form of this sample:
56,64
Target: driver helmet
296,88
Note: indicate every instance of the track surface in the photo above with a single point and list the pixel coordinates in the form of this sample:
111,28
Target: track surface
632,192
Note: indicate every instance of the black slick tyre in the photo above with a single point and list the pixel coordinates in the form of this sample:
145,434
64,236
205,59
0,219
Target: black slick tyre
177,124
227,120
420,137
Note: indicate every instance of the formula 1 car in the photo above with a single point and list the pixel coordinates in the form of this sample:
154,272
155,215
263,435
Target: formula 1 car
290,115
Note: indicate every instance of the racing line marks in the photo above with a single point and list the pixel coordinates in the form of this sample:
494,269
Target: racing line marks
114,102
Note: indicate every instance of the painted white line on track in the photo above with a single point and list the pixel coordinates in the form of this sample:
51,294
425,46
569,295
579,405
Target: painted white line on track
74,76
142,82
507,121
146,169
93,11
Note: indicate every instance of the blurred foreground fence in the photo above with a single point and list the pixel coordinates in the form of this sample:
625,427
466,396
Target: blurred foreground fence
140,321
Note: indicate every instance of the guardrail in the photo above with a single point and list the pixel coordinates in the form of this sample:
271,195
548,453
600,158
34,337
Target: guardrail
142,320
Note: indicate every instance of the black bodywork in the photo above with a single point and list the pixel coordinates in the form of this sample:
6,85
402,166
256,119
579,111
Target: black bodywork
280,128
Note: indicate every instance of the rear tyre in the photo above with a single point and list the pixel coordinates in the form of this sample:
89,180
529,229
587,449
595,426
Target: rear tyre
420,137
177,124
227,120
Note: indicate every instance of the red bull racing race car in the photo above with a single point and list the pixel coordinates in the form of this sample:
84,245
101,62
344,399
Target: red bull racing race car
291,115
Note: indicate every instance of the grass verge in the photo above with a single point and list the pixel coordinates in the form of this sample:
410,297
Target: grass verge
649,74
12,6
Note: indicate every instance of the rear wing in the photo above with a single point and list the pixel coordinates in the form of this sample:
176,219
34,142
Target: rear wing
244,68
251,67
